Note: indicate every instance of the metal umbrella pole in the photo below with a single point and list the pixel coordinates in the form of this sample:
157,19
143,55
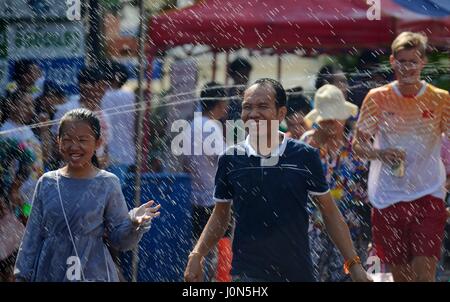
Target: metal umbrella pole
142,105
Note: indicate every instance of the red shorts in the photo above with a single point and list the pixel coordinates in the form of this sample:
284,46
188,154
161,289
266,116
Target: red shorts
409,229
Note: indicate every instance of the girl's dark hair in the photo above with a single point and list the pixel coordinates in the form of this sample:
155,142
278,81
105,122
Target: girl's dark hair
83,115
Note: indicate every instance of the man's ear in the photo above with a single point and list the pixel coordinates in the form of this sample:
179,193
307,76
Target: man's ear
282,111
392,60
425,60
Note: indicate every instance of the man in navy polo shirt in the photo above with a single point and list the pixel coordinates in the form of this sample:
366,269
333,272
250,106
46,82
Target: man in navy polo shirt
269,184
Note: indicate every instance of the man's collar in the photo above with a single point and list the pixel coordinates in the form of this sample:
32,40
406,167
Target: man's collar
419,93
278,151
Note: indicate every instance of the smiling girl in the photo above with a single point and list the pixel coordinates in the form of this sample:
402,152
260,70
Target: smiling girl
73,208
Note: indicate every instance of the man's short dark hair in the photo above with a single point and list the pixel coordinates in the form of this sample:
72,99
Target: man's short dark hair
280,93
90,75
239,64
368,57
114,72
297,102
327,75
21,68
212,93
53,89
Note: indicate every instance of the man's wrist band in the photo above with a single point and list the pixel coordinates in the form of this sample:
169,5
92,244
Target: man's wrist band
192,254
349,263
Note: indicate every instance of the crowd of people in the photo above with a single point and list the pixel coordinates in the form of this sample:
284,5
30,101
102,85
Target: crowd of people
379,168
361,170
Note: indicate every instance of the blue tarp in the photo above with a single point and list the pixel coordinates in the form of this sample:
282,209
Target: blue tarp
435,8
164,250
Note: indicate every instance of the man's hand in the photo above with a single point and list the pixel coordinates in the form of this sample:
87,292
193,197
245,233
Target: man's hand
212,233
194,269
391,156
358,274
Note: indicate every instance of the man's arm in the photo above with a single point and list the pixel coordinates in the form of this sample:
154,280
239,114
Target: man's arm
213,232
366,128
363,148
339,233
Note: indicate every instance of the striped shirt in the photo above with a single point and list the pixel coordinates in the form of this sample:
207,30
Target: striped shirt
414,124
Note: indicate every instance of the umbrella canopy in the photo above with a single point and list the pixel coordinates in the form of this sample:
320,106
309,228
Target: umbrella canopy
290,24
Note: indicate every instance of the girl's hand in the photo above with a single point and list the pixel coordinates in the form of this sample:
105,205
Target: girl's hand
144,214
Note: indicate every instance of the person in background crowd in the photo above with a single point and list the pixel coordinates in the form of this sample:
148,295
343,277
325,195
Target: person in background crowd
345,176
25,75
239,70
52,97
12,154
129,61
333,75
297,107
21,111
45,109
369,74
400,131
119,105
445,153
203,167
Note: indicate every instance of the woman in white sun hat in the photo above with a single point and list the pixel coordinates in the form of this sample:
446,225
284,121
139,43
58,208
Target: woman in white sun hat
345,174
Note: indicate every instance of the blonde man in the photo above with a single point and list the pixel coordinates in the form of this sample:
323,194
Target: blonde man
406,119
